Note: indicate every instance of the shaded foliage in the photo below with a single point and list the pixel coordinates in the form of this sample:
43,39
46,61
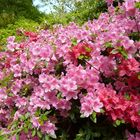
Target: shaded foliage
11,10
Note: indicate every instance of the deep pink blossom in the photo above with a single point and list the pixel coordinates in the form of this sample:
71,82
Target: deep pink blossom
49,128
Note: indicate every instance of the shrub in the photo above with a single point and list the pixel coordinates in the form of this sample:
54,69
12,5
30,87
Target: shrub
74,82
12,10
16,29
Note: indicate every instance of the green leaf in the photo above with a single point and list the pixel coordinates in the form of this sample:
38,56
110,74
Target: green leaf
37,113
122,121
4,82
25,130
48,112
59,95
94,114
102,110
114,124
93,117
120,50
108,45
3,138
11,95
88,49
43,117
39,134
123,52
81,57
22,117
94,35
17,137
13,125
73,117
82,116
137,5
114,51
88,137
127,96
53,136
118,122
27,115
47,137
74,41
139,76
96,134
33,133
29,125
134,36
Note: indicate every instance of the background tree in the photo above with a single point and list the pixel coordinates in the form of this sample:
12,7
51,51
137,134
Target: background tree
80,11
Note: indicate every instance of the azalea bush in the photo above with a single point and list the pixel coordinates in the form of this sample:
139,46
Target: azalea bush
74,82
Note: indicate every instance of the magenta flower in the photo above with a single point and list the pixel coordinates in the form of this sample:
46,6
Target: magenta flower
35,122
130,7
49,128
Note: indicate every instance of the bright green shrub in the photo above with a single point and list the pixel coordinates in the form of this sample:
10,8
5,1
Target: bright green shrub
12,10
20,25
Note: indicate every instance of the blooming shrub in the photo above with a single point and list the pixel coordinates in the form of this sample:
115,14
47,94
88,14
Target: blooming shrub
60,79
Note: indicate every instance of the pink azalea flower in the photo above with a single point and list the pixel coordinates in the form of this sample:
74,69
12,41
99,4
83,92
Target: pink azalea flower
130,7
11,39
3,94
49,128
17,115
13,137
68,88
132,136
35,122
109,2
16,86
45,53
90,103
42,78
20,102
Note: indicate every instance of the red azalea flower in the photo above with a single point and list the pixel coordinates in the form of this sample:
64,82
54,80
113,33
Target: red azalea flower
82,48
31,35
129,67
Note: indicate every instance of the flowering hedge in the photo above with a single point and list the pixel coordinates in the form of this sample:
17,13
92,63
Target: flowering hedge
59,82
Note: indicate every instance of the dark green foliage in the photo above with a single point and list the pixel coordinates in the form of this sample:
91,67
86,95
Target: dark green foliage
11,10
85,129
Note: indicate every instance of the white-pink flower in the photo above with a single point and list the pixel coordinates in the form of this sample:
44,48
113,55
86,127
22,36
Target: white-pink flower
35,121
49,128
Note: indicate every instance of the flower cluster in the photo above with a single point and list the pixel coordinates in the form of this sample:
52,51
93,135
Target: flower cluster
96,65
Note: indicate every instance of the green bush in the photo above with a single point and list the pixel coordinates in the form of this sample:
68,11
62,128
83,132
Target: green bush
15,29
12,10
